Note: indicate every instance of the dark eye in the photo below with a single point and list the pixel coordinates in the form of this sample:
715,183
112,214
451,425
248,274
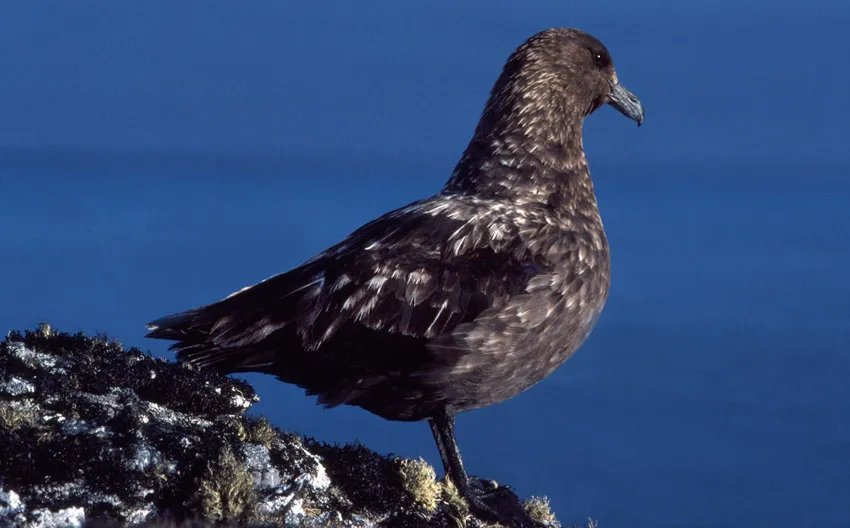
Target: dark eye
600,59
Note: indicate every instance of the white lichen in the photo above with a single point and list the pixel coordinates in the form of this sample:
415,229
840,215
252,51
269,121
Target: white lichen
17,386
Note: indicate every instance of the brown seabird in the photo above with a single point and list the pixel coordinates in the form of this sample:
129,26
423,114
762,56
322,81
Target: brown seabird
457,301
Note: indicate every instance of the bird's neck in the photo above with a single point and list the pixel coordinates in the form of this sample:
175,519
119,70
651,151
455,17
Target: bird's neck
527,159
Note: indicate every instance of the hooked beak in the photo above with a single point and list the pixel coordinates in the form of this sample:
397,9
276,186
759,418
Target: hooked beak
626,102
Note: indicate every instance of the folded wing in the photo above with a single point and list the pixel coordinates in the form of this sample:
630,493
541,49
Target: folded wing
367,305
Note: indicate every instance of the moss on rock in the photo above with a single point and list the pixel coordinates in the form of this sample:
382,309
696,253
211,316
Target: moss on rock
95,433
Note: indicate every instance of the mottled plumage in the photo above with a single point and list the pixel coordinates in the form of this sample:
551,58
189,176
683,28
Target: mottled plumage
460,300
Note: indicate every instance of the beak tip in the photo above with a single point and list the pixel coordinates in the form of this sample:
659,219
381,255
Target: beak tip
626,103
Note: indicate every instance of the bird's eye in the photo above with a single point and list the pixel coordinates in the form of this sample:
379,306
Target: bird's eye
600,59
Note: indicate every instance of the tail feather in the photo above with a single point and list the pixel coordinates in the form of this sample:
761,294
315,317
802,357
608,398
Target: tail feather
225,360
175,326
240,332
193,331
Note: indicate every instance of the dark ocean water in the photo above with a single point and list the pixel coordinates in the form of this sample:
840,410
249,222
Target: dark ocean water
156,156
714,390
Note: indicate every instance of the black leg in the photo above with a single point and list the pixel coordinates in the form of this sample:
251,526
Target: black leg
486,500
443,427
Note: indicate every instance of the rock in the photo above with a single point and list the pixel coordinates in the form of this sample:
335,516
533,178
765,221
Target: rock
94,434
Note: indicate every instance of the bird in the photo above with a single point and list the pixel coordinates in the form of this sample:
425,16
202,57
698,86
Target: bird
457,301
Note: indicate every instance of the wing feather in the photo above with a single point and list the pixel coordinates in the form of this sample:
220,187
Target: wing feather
416,273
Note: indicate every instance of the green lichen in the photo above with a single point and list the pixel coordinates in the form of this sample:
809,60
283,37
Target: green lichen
14,416
226,491
458,509
539,510
260,432
420,482
45,330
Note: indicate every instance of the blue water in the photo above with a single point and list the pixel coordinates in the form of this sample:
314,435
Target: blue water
155,157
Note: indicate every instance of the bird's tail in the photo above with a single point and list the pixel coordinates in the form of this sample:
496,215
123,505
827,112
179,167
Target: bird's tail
175,326
196,343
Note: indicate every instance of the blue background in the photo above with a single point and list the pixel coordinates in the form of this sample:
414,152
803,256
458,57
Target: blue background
159,155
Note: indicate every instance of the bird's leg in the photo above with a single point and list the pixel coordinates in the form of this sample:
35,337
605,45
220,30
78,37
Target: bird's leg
486,499
443,427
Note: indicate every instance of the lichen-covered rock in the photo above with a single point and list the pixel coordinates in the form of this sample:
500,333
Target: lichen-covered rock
93,434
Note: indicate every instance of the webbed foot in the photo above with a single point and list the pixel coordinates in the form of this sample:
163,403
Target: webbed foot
492,502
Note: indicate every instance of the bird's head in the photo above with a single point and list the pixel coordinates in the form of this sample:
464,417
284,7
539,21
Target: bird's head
565,71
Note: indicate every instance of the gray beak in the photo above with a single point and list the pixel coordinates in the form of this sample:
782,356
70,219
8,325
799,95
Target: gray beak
626,102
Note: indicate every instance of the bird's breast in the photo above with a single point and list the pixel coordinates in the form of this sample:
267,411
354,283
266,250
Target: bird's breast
509,348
